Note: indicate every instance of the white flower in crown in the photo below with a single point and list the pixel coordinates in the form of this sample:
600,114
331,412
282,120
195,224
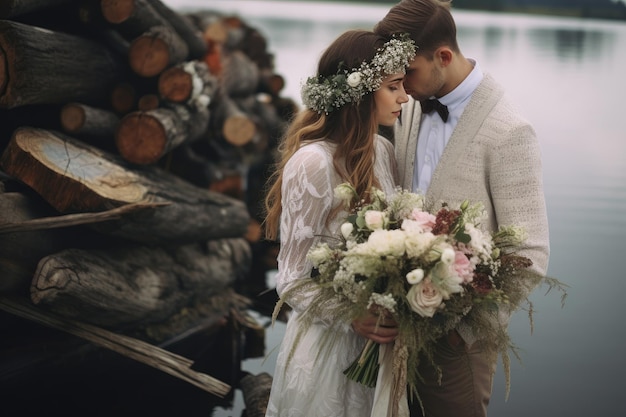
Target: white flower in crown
354,79
324,94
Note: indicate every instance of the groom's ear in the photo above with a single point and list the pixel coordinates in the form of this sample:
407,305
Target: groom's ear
443,55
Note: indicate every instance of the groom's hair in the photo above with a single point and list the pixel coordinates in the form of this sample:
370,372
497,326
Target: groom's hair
428,22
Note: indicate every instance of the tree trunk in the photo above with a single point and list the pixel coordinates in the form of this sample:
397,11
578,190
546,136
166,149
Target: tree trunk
38,66
73,177
136,285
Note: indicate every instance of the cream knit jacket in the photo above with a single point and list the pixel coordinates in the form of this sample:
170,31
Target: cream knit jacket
494,157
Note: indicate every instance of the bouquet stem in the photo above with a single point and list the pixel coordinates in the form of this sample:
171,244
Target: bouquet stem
364,369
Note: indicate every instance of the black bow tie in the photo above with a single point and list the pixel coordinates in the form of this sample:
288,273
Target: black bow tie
428,106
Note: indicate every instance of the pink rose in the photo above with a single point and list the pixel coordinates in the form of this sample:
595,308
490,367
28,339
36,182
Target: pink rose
424,219
424,298
463,267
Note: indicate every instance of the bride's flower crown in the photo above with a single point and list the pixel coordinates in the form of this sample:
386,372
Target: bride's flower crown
324,94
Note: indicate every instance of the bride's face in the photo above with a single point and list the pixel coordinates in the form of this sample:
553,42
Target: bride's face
389,99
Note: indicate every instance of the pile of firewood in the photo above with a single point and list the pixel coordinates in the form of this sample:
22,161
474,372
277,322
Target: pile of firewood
135,142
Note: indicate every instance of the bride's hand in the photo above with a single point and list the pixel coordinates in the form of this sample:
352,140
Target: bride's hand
381,329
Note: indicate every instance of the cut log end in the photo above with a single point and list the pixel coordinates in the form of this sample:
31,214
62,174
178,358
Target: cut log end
117,11
72,117
239,130
71,177
175,84
140,138
148,56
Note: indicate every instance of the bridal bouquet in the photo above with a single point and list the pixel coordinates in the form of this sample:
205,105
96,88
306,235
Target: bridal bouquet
427,270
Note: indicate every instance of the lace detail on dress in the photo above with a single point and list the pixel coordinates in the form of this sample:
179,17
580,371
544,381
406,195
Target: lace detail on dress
308,381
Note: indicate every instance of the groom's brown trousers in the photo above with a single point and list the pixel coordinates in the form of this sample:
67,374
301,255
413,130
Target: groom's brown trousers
467,379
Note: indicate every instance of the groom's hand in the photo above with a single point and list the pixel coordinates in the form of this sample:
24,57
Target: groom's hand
383,329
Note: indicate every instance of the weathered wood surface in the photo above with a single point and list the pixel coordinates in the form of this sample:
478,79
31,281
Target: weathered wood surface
136,349
42,66
14,8
17,263
73,177
256,392
135,285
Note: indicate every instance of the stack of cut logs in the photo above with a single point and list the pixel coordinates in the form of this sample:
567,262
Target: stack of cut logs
134,141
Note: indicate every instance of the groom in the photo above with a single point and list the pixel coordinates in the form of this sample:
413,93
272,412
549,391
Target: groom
470,144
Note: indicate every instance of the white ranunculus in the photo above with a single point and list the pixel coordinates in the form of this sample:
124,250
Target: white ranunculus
374,219
415,276
346,229
447,256
354,79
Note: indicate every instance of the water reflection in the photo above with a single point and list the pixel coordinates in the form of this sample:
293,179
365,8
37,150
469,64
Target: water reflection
573,45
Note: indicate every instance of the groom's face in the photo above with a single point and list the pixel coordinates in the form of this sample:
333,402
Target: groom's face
424,78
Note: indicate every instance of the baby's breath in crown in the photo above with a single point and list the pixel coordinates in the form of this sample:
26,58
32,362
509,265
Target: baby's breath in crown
324,94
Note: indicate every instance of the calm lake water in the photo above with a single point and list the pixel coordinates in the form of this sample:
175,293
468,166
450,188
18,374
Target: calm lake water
567,76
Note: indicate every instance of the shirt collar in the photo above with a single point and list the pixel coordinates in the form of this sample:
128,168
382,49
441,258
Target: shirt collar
464,90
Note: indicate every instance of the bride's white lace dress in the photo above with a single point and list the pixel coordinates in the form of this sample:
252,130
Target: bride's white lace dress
310,383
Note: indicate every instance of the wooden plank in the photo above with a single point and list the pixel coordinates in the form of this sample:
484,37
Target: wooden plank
171,363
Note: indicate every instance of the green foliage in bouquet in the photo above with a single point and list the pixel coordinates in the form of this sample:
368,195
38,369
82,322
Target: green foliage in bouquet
430,271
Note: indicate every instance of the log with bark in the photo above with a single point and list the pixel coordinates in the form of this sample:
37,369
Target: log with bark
87,121
73,176
155,50
42,66
26,221
187,82
133,285
256,392
144,137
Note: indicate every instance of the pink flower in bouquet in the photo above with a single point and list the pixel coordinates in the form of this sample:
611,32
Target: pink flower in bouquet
463,267
424,219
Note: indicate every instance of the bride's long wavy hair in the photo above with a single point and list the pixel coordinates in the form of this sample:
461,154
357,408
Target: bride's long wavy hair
351,127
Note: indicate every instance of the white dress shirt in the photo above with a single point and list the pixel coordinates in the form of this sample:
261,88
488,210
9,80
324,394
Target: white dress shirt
434,134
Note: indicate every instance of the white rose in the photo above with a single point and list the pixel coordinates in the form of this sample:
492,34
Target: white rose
346,229
354,79
386,243
424,298
415,276
374,219
417,243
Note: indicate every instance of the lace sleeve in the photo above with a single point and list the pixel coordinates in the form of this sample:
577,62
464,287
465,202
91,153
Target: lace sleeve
307,198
